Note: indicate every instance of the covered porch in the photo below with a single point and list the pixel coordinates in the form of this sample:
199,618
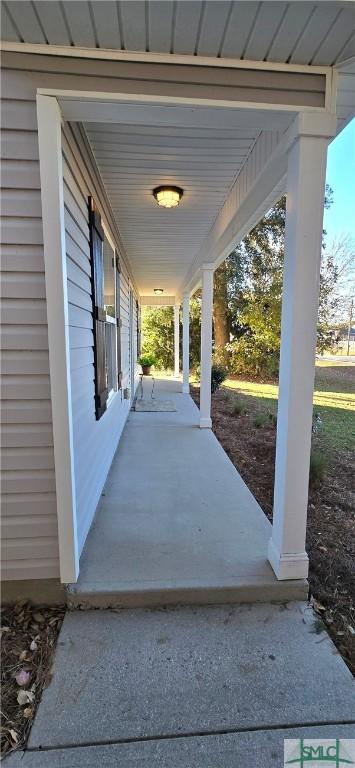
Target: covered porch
175,518
175,522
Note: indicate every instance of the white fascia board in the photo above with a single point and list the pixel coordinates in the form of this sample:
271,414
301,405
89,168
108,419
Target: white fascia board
110,54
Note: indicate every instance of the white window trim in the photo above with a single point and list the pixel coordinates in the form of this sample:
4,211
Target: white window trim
112,320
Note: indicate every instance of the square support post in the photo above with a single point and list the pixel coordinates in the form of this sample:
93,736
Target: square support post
186,343
303,242
176,339
206,346
49,121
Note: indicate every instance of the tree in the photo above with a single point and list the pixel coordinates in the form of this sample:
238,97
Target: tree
221,317
256,295
158,334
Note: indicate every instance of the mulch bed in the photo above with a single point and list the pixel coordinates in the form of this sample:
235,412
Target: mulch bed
28,638
331,515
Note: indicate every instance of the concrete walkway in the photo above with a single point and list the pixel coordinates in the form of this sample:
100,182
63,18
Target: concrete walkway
176,523
207,687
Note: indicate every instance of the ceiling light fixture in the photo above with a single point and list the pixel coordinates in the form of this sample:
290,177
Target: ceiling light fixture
158,291
168,197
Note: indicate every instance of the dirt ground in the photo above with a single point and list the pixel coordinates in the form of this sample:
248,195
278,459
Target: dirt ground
28,638
331,511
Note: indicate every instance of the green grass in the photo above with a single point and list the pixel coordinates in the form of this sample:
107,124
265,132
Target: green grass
334,400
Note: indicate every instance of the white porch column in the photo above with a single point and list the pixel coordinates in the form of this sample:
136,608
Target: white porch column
304,219
206,346
186,343
176,339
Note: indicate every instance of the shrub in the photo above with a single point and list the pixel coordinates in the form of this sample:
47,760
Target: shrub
238,408
248,358
260,420
146,360
218,375
318,467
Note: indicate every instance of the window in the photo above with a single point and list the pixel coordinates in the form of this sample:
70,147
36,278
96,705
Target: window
105,278
109,275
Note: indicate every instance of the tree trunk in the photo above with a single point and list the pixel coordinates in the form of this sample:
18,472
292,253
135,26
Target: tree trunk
220,309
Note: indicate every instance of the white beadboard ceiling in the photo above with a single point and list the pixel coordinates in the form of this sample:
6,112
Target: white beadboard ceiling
298,32
133,159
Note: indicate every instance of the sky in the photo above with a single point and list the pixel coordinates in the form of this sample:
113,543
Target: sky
340,218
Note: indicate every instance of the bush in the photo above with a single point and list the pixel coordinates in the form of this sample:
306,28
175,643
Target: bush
260,420
318,467
238,408
251,358
218,375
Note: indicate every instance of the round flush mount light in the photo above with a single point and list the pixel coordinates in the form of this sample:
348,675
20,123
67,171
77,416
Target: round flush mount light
158,291
168,197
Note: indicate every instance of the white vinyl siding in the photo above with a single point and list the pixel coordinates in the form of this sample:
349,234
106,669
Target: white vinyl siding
29,521
29,515
91,438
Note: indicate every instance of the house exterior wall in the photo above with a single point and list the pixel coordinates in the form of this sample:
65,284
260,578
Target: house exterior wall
29,516
29,522
91,438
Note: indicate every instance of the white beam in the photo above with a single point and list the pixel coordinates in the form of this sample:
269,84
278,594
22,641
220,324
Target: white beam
304,218
186,343
206,346
51,171
176,339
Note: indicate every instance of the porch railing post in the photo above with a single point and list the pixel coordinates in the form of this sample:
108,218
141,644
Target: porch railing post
206,346
186,343
304,218
176,339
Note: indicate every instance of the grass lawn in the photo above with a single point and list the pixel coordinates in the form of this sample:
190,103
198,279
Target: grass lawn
334,400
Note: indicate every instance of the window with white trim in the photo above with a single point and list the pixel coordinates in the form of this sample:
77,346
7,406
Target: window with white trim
109,274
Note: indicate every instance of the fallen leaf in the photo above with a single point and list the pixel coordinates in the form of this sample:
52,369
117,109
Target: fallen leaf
38,618
27,712
25,697
33,646
13,735
23,677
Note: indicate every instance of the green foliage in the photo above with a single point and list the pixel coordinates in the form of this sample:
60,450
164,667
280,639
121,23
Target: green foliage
318,466
238,408
158,335
218,375
260,420
254,274
146,360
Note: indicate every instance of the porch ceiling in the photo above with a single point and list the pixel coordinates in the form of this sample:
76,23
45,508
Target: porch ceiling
161,244
288,32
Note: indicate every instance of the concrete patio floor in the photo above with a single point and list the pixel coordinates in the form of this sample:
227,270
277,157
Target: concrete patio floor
189,687
176,524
